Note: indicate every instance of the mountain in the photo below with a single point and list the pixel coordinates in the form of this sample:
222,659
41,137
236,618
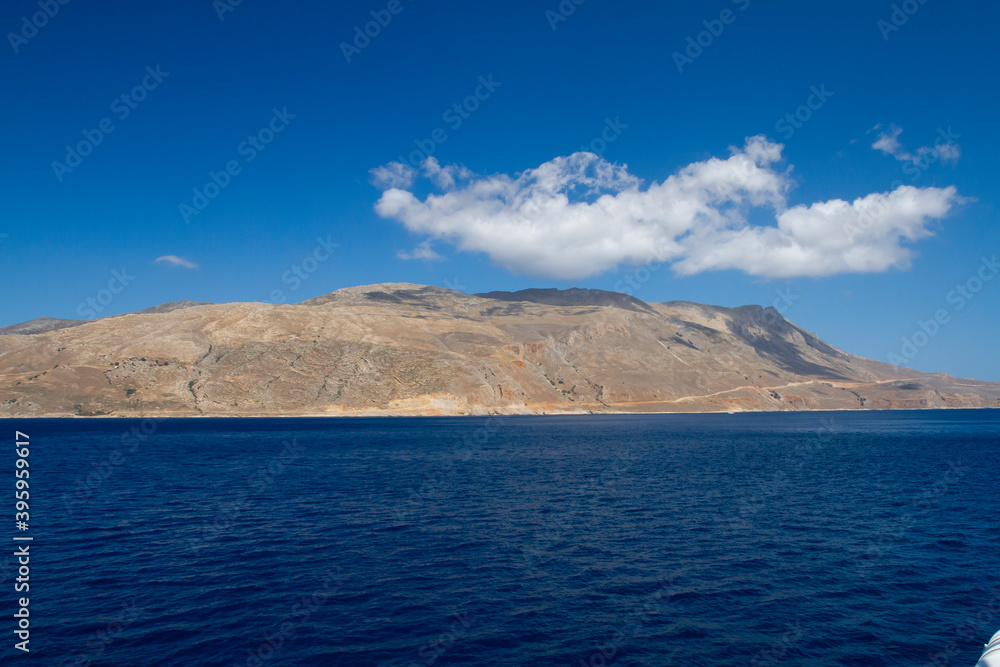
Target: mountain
398,348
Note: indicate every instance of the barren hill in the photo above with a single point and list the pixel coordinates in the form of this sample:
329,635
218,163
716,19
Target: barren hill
409,349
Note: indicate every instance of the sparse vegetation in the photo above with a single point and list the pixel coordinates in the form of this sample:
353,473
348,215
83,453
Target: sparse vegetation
80,412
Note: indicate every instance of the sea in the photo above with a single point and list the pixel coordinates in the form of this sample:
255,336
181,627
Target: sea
813,538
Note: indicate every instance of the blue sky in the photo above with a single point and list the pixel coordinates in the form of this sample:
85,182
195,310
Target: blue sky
267,93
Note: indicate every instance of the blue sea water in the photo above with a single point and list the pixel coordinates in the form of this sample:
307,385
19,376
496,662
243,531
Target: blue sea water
860,538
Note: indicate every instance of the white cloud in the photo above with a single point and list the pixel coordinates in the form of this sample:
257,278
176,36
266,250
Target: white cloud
943,149
949,153
393,175
174,260
579,215
422,251
888,142
826,238
444,178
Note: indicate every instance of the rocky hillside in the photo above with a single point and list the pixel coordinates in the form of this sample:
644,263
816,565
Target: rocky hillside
409,349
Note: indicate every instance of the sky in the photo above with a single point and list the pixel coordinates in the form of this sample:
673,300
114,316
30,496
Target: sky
835,160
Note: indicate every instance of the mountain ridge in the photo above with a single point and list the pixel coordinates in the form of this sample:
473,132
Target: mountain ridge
44,324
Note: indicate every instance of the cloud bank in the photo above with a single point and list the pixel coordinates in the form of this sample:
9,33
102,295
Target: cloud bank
579,215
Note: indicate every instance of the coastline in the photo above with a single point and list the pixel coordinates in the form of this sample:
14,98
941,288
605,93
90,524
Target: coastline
577,413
